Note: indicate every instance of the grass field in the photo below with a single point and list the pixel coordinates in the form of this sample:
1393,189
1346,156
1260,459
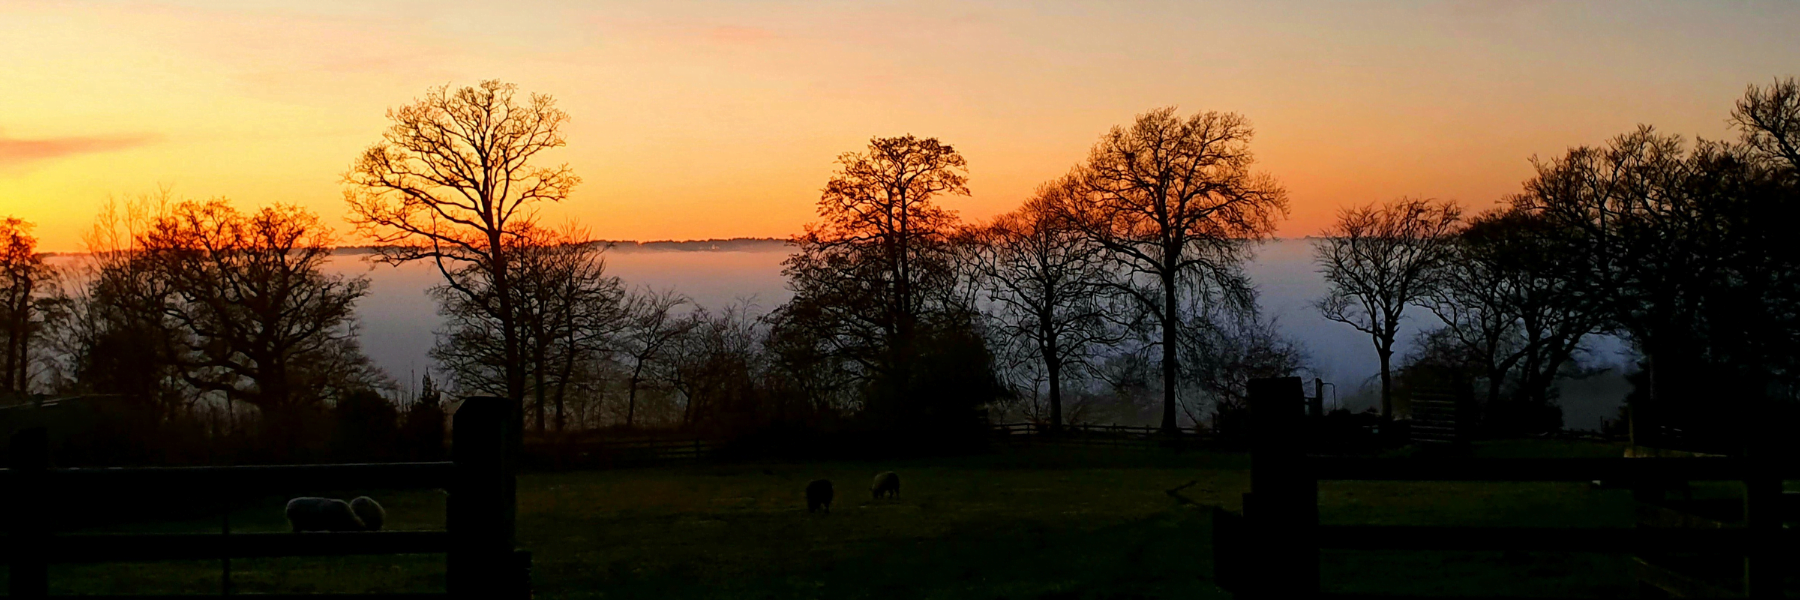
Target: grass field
1042,522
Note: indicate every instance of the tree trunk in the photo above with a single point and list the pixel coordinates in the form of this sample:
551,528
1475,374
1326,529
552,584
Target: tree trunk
631,396
1386,352
538,388
1170,367
562,383
1054,368
509,333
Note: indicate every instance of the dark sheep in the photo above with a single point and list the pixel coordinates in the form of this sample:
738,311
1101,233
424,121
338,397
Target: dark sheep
818,496
886,484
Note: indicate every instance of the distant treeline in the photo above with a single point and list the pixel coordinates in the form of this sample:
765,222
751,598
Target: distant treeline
1115,293
706,245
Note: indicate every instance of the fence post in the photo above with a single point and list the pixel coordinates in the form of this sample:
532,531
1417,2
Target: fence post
1764,555
1763,568
481,509
1285,518
30,530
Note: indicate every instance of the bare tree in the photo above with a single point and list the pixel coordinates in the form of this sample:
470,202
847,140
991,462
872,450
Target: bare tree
878,291
1379,260
568,309
1047,285
879,262
1176,206
652,330
1509,296
717,366
450,182
1769,120
111,336
256,317
1230,348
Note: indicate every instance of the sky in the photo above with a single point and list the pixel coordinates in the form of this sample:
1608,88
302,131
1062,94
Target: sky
694,120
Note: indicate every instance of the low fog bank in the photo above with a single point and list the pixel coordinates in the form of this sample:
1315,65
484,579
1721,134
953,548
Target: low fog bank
398,318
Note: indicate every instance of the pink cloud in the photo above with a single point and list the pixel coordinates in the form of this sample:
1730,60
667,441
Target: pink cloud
15,152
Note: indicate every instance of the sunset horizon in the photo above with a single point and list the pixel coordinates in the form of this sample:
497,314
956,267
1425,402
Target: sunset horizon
870,299
721,120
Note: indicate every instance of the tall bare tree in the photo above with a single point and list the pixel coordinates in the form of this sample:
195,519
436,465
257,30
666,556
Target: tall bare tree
1046,282
452,179
1379,260
1174,202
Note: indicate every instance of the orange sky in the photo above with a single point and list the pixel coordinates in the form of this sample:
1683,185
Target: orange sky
721,119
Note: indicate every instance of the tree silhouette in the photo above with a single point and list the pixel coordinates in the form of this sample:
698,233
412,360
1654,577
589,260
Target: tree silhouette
876,283
1510,301
1686,251
1768,119
717,364
1380,260
1046,283
568,311
451,181
651,331
254,315
1175,204
23,281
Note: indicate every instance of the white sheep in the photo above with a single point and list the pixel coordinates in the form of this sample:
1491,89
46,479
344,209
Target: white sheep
369,511
886,484
322,514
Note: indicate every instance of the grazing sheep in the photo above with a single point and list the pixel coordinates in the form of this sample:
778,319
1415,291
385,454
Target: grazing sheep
322,514
886,484
369,511
818,495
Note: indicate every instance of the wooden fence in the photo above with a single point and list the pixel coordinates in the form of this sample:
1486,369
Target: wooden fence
477,540
621,452
1272,549
1114,436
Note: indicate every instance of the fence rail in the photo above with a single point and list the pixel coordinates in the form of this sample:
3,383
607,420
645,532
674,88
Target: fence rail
245,480
1135,436
110,547
1541,469
624,452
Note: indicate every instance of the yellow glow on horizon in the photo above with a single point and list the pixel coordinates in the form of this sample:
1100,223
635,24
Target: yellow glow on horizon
722,119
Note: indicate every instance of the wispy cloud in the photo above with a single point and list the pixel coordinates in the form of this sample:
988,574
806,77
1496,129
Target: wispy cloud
16,152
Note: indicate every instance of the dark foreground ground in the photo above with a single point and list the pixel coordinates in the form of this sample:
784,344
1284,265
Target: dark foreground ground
1044,522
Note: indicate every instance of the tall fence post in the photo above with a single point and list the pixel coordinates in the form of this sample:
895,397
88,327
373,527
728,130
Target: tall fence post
1283,510
29,459
481,510
1765,562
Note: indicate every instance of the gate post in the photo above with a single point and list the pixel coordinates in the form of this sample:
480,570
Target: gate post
1284,521
482,509
1765,561
29,459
